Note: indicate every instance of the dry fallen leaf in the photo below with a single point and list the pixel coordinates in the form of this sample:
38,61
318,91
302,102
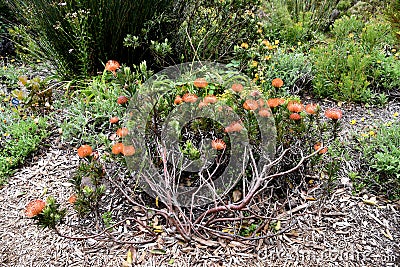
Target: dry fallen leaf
236,195
158,251
370,201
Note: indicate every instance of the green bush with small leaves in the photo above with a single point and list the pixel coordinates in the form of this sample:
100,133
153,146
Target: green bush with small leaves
353,66
381,153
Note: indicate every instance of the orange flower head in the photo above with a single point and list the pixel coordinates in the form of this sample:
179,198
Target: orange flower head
250,104
210,99
274,102
234,127
237,87
295,116
112,65
122,132
117,148
264,113
189,98
311,108
72,199
200,83
218,144
114,120
178,100
333,114
34,208
128,151
84,151
277,83
318,145
122,100
295,106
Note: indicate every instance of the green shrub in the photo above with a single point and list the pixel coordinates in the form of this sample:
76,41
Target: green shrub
265,60
393,15
19,138
353,66
293,21
381,153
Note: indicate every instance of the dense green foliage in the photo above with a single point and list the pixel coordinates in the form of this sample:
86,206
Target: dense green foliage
381,153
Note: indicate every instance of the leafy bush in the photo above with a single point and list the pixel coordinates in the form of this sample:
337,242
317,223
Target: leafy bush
265,60
293,21
19,138
354,65
393,15
381,152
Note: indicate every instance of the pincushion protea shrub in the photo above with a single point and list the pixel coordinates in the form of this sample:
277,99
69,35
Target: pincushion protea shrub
46,213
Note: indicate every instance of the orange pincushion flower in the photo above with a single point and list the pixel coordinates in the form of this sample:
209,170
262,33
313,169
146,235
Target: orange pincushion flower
333,113
114,120
117,148
295,106
277,83
200,83
210,99
178,100
122,132
295,116
264,112
237,87
218,144
128,151
274,102
84,151
122,100
34,208
250,104
112,65
311,108
72,199
234,127
189,98
318,145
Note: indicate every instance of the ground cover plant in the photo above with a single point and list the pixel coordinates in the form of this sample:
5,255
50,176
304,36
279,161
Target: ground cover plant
202,149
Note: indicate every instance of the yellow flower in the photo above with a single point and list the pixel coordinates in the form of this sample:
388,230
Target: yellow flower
259,31
298,43
267,57
396,114
363,119
276,42
352,122
244,45
351,35
265,42
254,64
372,133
